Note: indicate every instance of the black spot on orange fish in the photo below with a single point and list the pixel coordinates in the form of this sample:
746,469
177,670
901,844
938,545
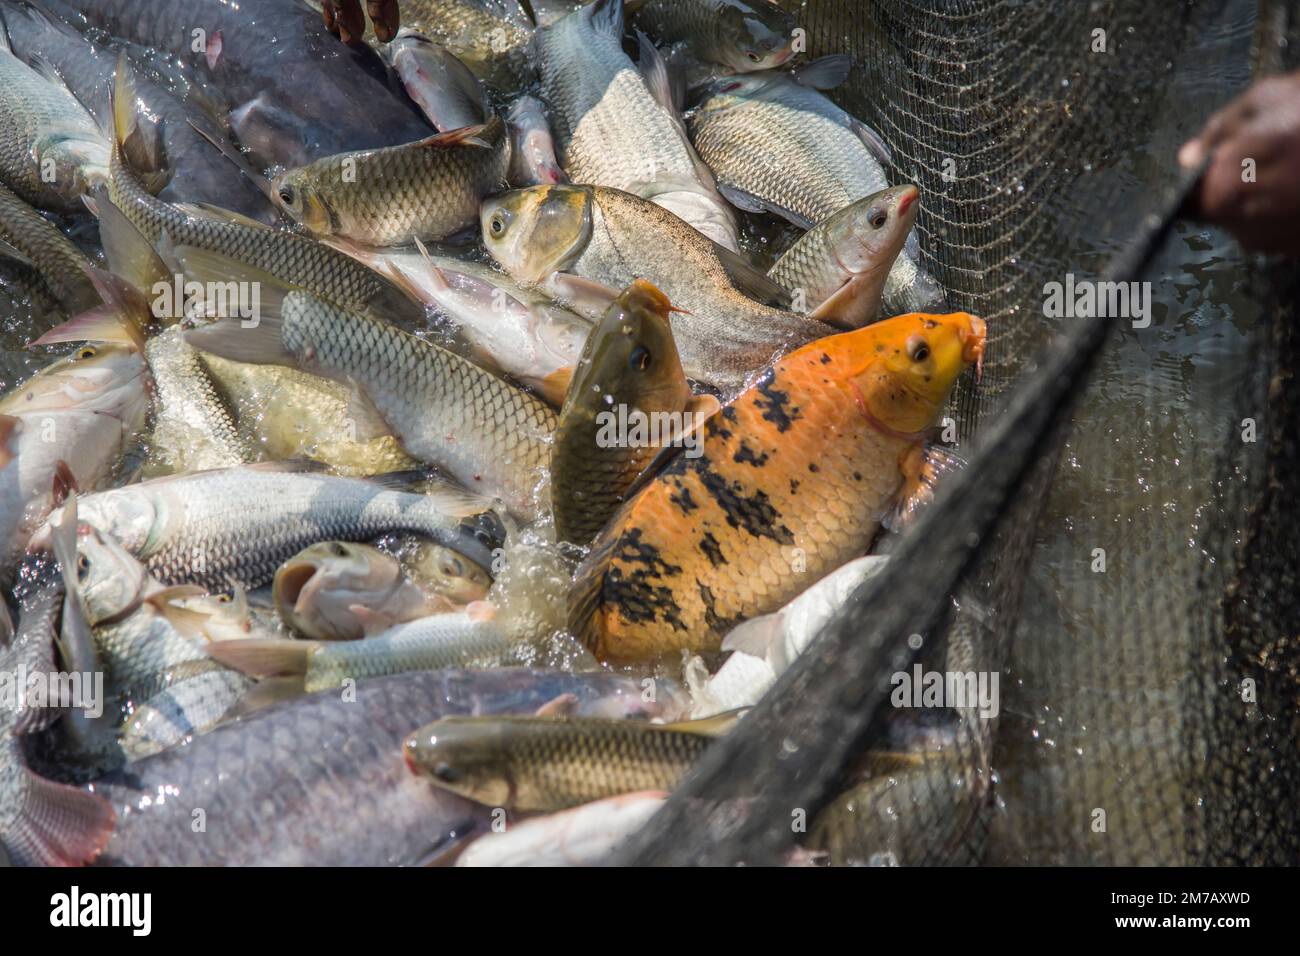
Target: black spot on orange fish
712,550
812,466
745,456
716,622
634,588
857,476
753,513
794,485
729,413
774,403
682,499
826,359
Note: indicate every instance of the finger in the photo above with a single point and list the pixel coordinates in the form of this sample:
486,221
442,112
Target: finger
1218,128
331,16
351,21
386,18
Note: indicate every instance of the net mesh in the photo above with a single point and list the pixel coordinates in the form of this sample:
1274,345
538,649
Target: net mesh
1121,550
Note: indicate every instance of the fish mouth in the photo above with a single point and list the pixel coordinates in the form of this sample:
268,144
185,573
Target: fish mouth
909,196
292,582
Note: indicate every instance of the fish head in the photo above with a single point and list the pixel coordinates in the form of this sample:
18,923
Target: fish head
316,589
104,379
295,195
757,35
630,356
463,755
902,369
110,579
537,231
273,133
450,574
872,231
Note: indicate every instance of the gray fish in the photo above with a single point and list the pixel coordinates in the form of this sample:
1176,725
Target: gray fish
199,173
744,35
778,145
28,237
318,780
297,92
617,125
532,152
236,526
443,87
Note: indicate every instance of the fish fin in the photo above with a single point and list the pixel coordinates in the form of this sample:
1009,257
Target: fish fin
481,610
212,50
5,46
268,691
10,427
101,324
585,296
64,483
372,622
187,622
130,255
293,466
923,467
654,70
751,203
527,9
704,404
606,16
75,640
749,280
465,136
565,705
230,337
825,73
755,636
57,824
264,657
871,139
144,154
229,150
205,210
716,726
367,421
10,252
555,386
880,763
843,306
587,590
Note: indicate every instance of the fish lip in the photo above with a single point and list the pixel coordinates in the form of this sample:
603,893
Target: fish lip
909,196
292,581
973,344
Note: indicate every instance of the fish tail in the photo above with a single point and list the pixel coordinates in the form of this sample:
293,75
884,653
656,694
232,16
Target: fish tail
141,149
56,824
256,338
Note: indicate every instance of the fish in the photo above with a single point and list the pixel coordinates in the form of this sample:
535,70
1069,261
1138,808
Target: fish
492,37
742,35
234,527
42,822
618,126
160,685
198,171
794,479
315,780
289,415
51,150
532,152
567,239
467,639
296,260
630,369
764,646
482,431
29,238
849,257
777,144
428,189
68,425
521,333
547,763
583,836
194,428
450,95
339,590
444,571
294,92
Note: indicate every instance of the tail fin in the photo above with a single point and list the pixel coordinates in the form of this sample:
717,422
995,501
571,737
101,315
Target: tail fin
140,148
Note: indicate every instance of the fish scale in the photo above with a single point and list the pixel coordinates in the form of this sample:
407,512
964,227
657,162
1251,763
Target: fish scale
61,264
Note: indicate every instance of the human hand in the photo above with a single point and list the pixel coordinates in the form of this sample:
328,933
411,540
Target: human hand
345,19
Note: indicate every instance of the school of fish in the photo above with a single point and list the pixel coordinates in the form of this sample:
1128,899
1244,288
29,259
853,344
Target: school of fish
414,458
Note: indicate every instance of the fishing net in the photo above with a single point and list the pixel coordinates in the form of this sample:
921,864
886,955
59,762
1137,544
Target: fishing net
1121,549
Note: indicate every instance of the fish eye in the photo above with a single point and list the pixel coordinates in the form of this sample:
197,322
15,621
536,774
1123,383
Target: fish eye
87,352
498,224
877,218
338,550
286,195
83,567
639,359
446,772
224,599
452,568
754,57
918,350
